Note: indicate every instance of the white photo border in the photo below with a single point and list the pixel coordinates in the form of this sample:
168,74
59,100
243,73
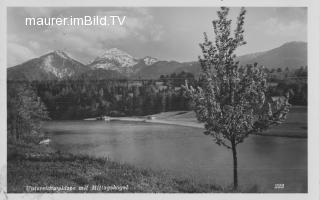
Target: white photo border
313,32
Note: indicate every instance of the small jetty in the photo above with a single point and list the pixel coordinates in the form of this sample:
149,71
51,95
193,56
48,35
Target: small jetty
45,142
105,118
102,118
151,117
133,119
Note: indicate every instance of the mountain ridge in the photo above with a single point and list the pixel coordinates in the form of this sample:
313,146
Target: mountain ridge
115,63
50,66
289,54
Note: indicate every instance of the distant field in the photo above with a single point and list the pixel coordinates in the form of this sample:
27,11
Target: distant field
296,124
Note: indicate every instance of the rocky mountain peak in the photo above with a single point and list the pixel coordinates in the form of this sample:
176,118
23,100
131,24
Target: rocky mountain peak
114,59
149,60
61,54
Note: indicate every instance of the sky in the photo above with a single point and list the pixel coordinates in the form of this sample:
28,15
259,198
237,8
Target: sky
166,33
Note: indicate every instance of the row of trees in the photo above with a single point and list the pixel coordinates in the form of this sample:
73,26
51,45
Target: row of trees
285,74
299,72
298,90
25,113
177,80
71,99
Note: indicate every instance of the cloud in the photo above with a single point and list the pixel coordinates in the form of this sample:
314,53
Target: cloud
86,42
34,45
157,32
276,27
287,14
18,53
39,11
139,24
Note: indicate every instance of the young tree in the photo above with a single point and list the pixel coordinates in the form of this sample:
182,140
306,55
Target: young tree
232,101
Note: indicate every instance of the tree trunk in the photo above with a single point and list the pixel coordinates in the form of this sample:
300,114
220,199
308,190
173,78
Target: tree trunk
235,166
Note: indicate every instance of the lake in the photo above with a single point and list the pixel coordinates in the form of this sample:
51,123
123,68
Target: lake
185,151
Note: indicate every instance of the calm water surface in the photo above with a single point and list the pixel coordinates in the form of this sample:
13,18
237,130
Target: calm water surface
187,152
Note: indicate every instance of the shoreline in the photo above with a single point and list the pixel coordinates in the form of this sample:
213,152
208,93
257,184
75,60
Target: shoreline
186,118
158,121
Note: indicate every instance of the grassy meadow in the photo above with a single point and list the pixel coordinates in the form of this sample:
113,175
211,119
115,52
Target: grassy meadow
38,166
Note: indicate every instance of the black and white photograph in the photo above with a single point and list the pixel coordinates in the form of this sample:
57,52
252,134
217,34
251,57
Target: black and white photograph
169,99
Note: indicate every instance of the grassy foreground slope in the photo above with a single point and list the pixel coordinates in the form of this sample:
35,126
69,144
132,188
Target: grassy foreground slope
38,166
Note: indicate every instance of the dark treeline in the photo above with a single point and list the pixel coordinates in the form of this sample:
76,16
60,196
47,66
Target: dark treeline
25,113
70,99
287,73
294,81
297,88
78,99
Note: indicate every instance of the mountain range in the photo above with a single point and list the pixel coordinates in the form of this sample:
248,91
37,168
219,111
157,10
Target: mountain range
117,64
